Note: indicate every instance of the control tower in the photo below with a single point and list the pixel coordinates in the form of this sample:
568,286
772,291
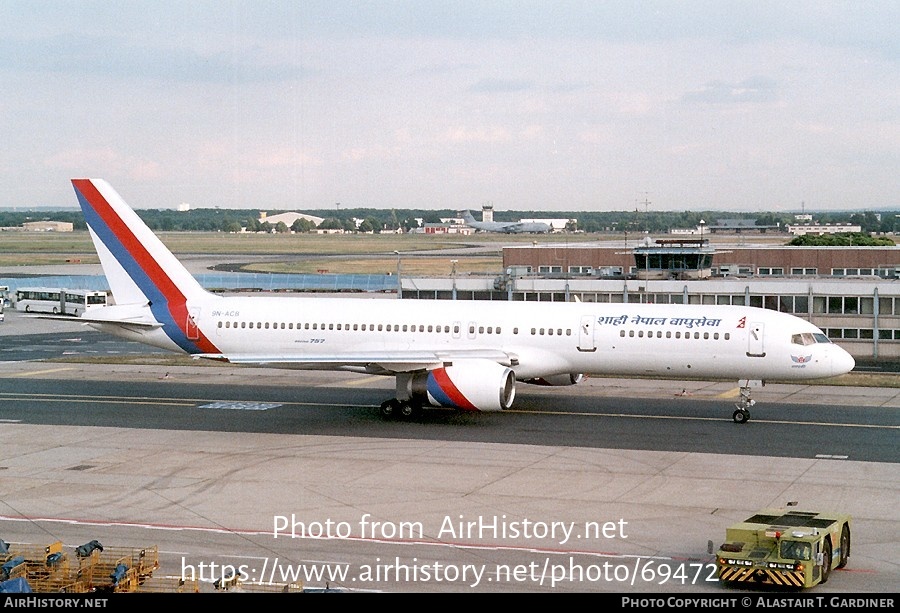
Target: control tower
676,258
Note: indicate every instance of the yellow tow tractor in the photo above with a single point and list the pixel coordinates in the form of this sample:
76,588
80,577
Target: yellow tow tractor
786,548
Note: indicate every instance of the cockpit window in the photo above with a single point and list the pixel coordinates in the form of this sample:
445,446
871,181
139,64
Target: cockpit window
795,550
809,338
803,339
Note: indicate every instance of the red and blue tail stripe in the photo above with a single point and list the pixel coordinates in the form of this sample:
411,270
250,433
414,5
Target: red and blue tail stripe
167,300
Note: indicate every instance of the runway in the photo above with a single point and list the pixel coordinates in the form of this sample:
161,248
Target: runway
610,486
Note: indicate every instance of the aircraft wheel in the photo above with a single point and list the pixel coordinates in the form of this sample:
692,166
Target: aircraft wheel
845,546
407,410
389,407
741,416
826,562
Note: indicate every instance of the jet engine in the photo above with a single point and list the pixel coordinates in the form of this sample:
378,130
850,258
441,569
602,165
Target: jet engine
556,380
471,385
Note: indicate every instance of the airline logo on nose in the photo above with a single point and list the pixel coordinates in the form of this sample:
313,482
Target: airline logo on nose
801,359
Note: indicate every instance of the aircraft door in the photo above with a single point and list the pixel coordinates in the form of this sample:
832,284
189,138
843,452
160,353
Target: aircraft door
193,332
586,334
470,333
755,345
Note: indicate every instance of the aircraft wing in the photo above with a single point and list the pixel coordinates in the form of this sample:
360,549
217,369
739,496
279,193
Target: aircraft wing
519,228
384,362
522,227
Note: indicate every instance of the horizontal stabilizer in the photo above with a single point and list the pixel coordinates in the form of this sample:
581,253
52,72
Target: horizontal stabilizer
87,319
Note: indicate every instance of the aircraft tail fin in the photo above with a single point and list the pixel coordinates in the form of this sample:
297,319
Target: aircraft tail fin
140,269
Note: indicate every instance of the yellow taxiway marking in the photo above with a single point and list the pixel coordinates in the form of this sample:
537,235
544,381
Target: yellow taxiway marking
694,418
178,402
732,393
32,373
365,381
100,400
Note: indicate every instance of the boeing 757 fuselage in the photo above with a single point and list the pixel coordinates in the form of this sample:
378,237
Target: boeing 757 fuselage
467,355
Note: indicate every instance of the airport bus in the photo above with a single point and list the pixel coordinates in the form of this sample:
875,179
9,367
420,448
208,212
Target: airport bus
57,300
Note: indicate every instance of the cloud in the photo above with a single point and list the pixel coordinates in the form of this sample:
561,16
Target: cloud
755,90
492,134
120,57
573,103
103,160
500,86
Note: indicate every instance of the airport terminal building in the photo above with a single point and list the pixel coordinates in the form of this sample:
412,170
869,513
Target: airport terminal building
853,294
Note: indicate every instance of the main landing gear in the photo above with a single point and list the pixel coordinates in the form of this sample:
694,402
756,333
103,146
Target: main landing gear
406,404
404,409
741,414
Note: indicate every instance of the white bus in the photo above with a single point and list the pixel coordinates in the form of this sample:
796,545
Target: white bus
59,301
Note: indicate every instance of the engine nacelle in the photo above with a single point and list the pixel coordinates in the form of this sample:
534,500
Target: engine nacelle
557,380
471,385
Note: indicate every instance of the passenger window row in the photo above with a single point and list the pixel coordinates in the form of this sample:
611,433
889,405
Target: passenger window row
677,334
434,328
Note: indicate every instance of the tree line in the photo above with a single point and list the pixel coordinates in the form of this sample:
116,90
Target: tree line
383,220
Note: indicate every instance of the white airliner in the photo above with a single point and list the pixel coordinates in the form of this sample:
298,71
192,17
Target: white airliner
507,227
467,355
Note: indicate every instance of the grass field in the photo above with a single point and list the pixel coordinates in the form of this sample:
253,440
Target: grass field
420,254
215,242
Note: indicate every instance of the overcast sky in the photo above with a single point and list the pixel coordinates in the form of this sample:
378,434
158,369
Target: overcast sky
551,105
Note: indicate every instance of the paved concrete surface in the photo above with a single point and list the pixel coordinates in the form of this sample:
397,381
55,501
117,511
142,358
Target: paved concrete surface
204,482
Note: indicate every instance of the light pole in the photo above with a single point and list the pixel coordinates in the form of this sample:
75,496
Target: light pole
453,276
399,285
701,258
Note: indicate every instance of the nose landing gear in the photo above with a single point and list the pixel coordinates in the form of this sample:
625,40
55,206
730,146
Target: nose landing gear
741,414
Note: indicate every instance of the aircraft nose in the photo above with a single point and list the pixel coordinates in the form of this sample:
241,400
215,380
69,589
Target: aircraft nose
842,362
